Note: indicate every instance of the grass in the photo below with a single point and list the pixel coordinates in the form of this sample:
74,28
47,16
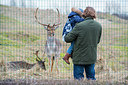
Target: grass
6,19
123,49
111,18
20,36
115,66
7,42
122,37
3,5
127,77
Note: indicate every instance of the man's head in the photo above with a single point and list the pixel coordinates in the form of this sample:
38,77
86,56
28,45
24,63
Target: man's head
89,12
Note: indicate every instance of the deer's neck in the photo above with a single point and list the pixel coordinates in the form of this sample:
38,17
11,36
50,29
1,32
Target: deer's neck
50,38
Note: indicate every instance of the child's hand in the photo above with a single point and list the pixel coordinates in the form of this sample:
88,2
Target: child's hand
74,9
77,11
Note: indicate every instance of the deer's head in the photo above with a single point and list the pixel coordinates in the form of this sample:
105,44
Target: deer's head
40,62
50,28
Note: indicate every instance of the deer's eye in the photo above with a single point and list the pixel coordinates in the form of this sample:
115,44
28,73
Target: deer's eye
48,30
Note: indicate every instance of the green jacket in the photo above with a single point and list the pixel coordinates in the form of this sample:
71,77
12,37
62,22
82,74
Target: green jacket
86,35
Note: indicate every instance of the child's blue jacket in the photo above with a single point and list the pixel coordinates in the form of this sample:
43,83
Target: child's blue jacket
75,18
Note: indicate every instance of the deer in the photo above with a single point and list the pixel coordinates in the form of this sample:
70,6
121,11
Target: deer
17,65
53,45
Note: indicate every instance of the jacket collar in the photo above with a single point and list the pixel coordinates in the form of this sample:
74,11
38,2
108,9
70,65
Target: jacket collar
88,18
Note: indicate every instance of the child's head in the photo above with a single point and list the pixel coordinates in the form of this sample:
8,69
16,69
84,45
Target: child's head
78,11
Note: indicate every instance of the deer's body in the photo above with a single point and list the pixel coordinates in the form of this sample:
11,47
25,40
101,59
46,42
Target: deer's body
53,47
17,65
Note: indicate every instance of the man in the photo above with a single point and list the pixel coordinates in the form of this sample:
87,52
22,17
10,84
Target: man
86,35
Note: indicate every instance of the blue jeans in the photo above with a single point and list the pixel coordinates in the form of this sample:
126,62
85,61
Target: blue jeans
89,70
70,49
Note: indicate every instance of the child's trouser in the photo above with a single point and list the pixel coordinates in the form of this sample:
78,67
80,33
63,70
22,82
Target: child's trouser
70,49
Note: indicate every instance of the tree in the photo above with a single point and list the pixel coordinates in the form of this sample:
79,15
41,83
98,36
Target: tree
12,3
23,3
108,7
113,7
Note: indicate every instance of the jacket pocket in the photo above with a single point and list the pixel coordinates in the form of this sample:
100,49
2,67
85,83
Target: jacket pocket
93,53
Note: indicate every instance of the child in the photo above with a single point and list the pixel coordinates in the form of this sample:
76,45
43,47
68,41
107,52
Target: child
74,17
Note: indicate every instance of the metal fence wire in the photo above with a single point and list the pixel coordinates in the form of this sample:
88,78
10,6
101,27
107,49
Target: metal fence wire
31,45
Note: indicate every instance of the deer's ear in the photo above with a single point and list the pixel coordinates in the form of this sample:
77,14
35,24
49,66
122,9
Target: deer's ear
43,60
56,27
45,27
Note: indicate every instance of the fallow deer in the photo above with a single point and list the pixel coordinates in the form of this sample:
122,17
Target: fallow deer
53,45
17,65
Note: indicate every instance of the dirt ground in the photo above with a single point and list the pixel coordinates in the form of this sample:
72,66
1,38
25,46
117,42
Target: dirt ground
57,82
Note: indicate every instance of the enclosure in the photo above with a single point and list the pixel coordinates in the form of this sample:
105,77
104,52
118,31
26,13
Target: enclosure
21,36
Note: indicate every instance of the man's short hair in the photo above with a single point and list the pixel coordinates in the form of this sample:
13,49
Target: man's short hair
89,12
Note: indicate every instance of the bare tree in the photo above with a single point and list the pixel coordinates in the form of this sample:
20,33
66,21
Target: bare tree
108,7
116,8
23,3
113,7
31,3
12,3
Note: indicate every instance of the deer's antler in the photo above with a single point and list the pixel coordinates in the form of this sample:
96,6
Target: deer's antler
37,55
47,24
58,19
37,18
40,62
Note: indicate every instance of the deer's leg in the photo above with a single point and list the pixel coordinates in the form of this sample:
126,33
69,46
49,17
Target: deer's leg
49,61
57,65
52,63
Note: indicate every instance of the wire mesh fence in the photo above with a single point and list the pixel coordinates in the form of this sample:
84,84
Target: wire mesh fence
25,44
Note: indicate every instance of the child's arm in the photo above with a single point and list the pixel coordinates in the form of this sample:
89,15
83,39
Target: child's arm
77,11
78,19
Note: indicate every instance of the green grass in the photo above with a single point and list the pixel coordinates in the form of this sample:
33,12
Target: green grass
126,78
115,66
31,59
20,36
10,42
6,19
123,39
7,42
122,49
3,6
